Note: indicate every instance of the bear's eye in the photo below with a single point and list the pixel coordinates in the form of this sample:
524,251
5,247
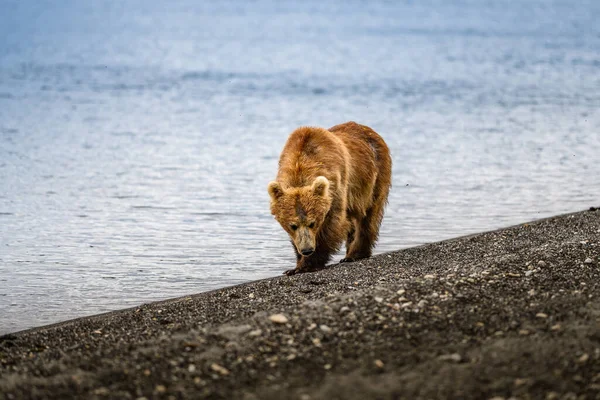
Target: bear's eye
311,225
294,227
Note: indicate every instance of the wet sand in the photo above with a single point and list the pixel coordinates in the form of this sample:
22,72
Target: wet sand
510,313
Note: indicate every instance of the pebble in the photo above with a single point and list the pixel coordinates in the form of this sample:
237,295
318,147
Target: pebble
588,261
400,292
556,327
422,303
528,273
191,368
584,357
541,315
278,318
325,328
379,364
541,263
379,299
454,357
429,276
254,333
521,381
160,388
344,309
217,368
251,295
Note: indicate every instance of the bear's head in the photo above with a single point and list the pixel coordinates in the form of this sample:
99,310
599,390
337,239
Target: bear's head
301,211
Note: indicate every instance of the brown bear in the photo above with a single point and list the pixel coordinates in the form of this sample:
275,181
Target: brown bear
332,186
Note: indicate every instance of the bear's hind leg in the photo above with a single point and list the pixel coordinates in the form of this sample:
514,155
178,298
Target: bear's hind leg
351,241
365,236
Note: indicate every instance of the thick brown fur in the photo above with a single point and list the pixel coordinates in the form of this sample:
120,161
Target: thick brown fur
332,186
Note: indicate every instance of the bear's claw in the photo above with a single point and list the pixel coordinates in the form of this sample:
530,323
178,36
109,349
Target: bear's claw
290,272
347,260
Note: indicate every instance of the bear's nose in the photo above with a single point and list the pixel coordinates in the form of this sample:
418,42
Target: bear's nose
307,252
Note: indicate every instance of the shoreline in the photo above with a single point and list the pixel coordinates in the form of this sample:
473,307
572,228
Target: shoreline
194,295
510,312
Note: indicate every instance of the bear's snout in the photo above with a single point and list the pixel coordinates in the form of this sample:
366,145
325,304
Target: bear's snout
307,252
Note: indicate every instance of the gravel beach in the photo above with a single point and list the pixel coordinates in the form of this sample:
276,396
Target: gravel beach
513,313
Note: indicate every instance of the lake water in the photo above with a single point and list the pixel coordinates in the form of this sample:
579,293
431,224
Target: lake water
137,138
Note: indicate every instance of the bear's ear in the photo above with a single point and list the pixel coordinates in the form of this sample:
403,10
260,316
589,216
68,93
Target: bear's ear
320,186
275,190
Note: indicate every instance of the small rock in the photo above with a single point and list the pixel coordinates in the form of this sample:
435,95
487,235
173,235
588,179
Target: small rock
311,326
379,364
528,273
524,332
422,303
400,292
217,368
429,276
325,328
344,309
588,261
231,332
191,368
497,398
521,381
278,318
102,391
254,333
513,275
378,299
556,327
160,388
541,315
327,366
251,295
317,342
583,359
455,357
541,263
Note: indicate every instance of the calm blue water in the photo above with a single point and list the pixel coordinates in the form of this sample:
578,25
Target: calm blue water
137,138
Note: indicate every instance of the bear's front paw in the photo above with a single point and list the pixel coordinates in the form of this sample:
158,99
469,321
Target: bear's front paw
347,260
291,272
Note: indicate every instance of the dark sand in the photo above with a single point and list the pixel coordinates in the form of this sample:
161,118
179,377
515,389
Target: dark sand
515,312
